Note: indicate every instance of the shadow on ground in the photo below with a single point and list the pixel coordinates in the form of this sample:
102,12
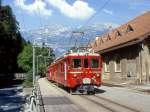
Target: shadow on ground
11,99
9,83
99,91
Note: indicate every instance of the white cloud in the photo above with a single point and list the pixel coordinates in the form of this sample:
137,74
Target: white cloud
78,10
108,11
38,6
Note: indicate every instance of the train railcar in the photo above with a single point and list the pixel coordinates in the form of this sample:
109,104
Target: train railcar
79,70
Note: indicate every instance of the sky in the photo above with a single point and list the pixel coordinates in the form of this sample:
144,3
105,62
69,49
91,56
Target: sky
32,14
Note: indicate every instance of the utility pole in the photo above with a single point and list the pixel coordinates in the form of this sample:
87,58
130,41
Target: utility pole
33,65
34,46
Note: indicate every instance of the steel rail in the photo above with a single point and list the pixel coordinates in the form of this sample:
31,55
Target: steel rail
84,97
109,101
121,105
99,104
87,97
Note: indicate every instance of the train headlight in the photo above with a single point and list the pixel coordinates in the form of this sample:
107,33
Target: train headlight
98,75
75,75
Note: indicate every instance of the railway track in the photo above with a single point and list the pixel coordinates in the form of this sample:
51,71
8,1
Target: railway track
97,102
121,105
109,104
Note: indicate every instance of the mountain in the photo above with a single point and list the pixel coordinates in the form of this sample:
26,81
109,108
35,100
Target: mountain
61,38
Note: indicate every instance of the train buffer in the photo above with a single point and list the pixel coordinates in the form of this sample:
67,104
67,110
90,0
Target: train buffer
53,100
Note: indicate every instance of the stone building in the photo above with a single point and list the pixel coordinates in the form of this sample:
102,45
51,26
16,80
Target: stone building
126,51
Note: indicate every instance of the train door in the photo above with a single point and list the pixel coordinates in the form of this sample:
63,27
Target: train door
50,74
65,71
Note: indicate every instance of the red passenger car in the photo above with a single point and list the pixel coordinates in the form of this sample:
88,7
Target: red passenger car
79,70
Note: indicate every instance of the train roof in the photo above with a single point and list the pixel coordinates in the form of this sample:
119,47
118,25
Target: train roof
81,51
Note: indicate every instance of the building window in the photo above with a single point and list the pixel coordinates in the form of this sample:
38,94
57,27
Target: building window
117,64
129,29
108,37
107,67
118,34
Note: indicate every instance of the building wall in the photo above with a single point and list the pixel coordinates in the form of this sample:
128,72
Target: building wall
128,59
134,63
145,54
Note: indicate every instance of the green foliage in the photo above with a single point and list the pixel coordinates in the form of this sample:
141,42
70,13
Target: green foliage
28,81
25,62
11,42
8,20
43,58
25,58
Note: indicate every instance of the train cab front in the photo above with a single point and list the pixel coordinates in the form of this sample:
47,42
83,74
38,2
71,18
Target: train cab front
84,74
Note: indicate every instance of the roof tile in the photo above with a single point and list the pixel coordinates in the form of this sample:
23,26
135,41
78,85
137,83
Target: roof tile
139,25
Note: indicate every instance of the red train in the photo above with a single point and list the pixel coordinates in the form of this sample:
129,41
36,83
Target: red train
79,70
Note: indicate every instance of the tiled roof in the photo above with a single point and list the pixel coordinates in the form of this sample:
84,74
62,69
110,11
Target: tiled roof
136,29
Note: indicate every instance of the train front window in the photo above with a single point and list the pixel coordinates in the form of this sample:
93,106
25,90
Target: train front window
86,64
95,63
76,63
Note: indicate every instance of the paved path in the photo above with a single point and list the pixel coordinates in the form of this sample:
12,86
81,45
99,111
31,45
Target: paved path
54,100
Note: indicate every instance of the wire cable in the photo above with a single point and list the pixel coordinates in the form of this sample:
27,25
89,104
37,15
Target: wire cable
92,17
99,10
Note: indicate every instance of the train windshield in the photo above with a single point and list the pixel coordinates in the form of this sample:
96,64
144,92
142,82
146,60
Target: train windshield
86,64
94,63
76,63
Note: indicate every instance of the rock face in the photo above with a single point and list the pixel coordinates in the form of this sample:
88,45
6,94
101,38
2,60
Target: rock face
61,38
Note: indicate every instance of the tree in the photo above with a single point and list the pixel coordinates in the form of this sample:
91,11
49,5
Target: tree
44,55
25,58
11,41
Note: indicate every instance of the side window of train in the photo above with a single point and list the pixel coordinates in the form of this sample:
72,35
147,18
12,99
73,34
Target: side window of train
86,64
95,63
76,63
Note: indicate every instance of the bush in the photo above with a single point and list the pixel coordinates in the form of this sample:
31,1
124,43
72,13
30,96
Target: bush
28,80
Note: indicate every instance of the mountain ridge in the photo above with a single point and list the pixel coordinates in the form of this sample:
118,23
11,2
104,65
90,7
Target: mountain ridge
60,37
